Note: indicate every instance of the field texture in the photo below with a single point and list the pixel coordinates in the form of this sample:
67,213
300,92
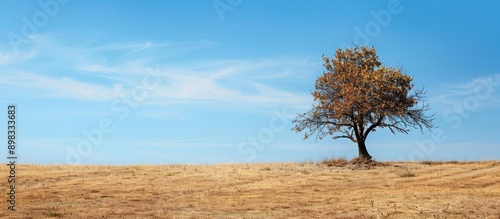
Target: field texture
267,190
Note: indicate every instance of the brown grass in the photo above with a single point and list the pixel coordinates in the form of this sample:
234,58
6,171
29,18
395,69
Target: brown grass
266,190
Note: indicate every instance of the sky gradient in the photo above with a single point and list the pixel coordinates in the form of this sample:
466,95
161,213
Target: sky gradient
124,82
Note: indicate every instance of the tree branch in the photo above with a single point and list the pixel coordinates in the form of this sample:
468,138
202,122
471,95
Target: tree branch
379,121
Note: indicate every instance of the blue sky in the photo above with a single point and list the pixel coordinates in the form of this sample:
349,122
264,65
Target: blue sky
124,82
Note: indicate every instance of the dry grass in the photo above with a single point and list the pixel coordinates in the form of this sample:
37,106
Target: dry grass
406,173
267,190
337,162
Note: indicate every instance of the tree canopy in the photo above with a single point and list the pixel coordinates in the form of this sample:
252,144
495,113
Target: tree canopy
357,94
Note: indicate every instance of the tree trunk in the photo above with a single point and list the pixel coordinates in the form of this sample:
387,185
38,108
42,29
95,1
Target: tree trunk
363,153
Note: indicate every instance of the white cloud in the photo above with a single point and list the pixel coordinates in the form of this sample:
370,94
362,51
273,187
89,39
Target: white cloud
9,58
231,83
483,90
83,72
39,85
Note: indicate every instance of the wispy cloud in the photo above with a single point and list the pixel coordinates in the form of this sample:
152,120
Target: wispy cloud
235,82
62,87
9,58
481,89
106,72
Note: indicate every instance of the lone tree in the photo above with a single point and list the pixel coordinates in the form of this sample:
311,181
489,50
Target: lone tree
357,94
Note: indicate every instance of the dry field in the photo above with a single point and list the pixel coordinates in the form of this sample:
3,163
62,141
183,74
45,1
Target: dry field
267,190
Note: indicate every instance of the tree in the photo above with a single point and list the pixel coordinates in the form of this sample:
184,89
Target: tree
357,94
